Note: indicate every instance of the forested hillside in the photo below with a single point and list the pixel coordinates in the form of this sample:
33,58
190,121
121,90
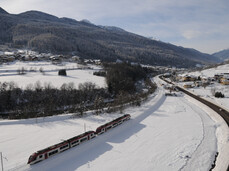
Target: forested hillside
47,33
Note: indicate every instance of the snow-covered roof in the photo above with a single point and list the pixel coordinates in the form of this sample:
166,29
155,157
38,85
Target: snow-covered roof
188,83
9,53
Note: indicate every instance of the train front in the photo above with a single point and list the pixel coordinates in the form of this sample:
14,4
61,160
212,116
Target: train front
32,158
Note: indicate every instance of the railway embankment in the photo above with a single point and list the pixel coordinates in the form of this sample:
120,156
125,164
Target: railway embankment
221,117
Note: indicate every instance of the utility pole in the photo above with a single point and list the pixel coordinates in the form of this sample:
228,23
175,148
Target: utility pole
84,127
1,161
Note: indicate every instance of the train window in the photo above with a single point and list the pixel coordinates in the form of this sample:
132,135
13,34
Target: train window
109,127
53,152
115,124
40,156
32,158
75,142
64,146
101,132
84,139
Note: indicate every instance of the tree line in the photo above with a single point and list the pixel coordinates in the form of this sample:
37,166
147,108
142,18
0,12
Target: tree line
37,100
43,100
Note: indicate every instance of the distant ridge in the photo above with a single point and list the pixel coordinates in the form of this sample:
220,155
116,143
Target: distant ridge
223,54
37,15
47,33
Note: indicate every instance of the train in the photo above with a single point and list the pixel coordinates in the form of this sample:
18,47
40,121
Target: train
75,141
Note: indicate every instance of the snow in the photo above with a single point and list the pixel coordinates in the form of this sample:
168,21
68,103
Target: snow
211,72
9,73
207,92
222,134
165,133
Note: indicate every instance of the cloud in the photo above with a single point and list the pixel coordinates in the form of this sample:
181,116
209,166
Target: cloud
190,34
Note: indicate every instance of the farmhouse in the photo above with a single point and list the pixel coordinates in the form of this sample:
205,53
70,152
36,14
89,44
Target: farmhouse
198,83
188,85
188,78
218,76
225,80
206,79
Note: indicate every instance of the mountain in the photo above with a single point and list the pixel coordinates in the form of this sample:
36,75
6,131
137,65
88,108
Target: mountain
112,28
47,33
2,11
223,55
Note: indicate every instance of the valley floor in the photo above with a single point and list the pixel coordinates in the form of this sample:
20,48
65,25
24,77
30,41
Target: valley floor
165,133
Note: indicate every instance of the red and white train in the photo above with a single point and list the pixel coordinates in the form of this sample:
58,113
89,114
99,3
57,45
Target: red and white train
112,124
74,141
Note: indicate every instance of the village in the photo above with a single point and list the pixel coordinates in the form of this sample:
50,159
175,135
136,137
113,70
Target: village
28,55
191,81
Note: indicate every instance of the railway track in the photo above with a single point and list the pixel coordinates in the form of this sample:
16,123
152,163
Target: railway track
222,112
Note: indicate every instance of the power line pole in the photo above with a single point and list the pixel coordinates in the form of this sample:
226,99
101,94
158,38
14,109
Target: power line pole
84,127
1,161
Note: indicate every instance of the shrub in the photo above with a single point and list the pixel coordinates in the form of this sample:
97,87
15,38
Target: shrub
62,72
100,73
219,95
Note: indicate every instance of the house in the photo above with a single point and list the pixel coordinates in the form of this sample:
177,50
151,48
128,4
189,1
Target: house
206,79
167,75
188,78
188,85
54,58
98,62
218,76
198,83
75,58
11,58
225,80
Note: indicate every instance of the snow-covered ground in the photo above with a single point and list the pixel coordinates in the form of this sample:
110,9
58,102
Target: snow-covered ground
208,92
212,71
165,133
8,73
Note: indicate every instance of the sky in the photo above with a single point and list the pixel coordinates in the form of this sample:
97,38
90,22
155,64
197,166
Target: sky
198,24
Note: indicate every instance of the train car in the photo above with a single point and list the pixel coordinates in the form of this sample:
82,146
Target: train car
60,147
112,124
75,141
81,138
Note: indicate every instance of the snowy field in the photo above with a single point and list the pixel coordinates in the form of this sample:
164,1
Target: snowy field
8,73
207,92
165,133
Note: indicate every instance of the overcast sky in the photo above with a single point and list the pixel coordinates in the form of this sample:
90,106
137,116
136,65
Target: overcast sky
199,24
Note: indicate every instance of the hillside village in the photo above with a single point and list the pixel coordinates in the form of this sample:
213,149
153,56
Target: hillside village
33,56
28,55
211,84
197,81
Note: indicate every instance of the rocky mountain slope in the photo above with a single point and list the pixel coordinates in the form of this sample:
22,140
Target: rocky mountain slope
47,33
